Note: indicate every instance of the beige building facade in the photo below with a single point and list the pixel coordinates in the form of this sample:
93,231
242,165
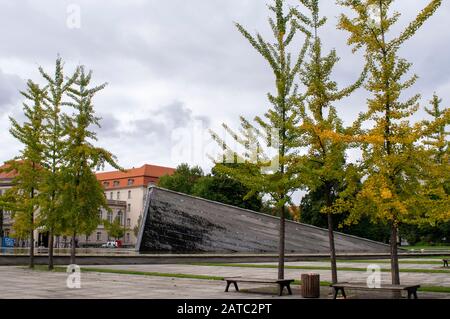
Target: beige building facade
125,193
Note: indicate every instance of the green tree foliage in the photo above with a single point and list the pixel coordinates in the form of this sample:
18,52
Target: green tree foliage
23,197
215,186
82,194
323,168
259,171
183,180
221,188
55,146
311,213
393,158
114,229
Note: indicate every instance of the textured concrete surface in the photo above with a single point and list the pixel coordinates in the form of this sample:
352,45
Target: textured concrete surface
181,223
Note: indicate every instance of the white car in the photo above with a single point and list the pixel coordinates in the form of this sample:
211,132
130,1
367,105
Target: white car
110,244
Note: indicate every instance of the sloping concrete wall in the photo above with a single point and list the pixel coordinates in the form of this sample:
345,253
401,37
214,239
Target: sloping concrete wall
179,223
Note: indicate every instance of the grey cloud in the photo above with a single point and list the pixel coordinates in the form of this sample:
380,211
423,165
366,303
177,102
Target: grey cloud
190,49
109,126
10,86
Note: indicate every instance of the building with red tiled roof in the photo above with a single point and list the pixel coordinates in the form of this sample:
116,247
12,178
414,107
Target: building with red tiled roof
125,192
134,177
130,187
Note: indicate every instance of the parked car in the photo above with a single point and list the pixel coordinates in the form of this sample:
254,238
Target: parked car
110,244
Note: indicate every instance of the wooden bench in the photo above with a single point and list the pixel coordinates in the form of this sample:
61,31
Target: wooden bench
411,289
281,283
445,262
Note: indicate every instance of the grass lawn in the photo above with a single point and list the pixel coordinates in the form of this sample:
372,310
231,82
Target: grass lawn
385,261
427,247
431,271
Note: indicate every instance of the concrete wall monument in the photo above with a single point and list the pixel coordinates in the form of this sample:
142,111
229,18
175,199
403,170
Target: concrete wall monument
179,223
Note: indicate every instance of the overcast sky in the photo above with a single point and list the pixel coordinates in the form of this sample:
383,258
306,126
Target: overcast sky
172,63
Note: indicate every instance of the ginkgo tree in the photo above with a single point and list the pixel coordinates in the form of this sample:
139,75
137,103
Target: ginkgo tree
393,158
82,195
265,162
55,145
324,165
23,197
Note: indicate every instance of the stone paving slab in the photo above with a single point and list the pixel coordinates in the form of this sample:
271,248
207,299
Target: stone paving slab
24,283
427,279
19,282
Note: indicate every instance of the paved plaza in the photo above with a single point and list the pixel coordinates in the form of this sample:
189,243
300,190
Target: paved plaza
24,283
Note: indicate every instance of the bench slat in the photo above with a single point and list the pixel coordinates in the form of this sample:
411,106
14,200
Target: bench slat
383,287
259,280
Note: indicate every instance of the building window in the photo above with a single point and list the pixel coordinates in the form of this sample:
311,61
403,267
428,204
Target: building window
87,238
130,182
120,217
128,222
110,216
111,196
118,195
100,214
129,208
128,237
116,183
129,194
106,184
99,236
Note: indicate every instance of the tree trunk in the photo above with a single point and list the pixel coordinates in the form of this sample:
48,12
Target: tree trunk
395,272
334,278
32,246
72,249
281,244
1,223
50,250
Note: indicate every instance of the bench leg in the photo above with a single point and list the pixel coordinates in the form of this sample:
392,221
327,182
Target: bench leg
412,293
228,285
289,289
280,289
336,292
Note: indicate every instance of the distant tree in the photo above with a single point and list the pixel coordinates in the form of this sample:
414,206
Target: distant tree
23,197
310,213
221,188
114,229
83,195
183,179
